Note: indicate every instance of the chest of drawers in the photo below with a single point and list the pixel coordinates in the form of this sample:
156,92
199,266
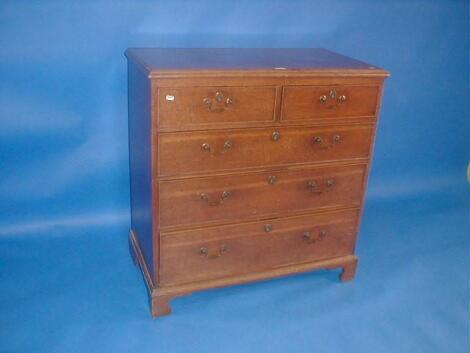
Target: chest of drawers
246,164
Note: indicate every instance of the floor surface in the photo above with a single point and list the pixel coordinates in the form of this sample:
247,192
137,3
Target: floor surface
76,290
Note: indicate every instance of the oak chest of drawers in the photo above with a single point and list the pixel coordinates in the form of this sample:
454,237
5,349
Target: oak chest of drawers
246,164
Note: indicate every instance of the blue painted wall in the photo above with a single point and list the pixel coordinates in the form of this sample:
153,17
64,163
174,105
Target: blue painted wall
63,98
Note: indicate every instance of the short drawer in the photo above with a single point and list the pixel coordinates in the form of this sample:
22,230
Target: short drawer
203,152
193,107
225,198
217,252
315,102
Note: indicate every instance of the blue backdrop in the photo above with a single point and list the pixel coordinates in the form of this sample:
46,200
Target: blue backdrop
66,282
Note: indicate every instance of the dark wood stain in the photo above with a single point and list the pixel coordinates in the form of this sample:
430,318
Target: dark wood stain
267,194
183,153
140,162
246,164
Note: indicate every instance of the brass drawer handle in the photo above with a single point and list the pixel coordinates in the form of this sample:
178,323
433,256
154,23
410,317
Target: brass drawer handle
211,256
332,95
319,141
224,196
221,104
313,186
310,238
206,147
272,179
276,135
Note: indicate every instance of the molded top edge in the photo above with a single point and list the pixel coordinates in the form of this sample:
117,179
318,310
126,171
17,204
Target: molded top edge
158,62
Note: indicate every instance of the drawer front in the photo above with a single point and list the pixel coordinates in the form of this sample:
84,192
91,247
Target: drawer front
314,102
230,250
192,107
203,152
235,197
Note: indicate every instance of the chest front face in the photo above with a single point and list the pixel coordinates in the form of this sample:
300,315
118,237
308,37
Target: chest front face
254,175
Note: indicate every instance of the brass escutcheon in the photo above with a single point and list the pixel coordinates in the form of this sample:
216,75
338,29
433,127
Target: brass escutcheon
219,96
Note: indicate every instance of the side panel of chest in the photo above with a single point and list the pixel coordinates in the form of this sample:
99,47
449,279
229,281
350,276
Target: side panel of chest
140,165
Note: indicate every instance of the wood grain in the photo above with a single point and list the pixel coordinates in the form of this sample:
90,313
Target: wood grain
303,102
160,297
239,171
193,107
140,166
183,153
185,61
243,248
272,193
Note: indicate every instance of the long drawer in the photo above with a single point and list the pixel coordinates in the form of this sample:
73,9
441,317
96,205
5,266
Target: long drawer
254,195
204,152
217,252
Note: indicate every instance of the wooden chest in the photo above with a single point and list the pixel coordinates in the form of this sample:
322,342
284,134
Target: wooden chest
246,164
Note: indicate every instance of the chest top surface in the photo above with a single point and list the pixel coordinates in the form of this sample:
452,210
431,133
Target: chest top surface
164,60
